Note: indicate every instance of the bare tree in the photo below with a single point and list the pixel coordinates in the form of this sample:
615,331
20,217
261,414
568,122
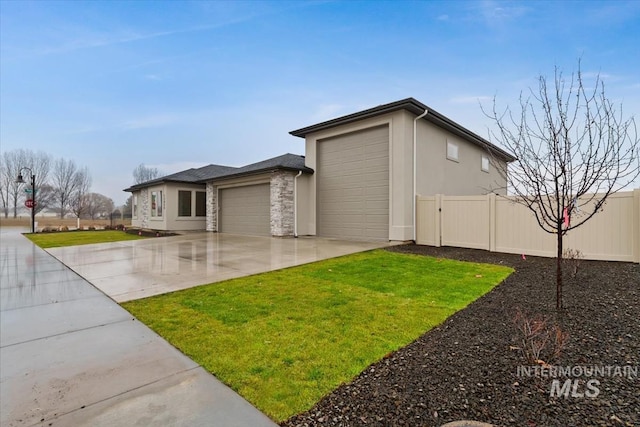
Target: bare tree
127,208
40,163
573,149
11,190
5,183
79,200
98,205
11,163
65,181
143,173
45,197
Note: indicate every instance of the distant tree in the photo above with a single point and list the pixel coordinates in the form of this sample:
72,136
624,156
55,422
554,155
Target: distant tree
9,189
40,163
45,198
573,149
66,180
11,165
4,189
144,173
127,208
98,205
79,200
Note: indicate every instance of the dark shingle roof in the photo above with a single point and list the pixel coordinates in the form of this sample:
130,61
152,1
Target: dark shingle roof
193,175
416,107
292,162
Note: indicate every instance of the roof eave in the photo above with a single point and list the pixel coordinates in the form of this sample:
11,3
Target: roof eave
455,128
164,181
409,104
258,172
416,107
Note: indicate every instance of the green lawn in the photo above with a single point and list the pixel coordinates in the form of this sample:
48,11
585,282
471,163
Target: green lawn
285,339
73,238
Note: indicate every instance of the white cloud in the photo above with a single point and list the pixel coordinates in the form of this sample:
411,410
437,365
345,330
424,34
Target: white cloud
444,17
153,77
494,13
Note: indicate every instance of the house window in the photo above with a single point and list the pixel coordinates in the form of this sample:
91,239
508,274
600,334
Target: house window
156,204
184,203
485,164
201,203
134,206
452,151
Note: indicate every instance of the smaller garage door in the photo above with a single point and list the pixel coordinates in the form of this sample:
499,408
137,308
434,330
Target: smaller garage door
245,210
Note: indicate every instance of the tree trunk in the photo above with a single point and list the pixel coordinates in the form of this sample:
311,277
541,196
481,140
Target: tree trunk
559,269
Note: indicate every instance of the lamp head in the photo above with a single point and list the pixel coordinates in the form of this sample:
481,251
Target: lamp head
20,180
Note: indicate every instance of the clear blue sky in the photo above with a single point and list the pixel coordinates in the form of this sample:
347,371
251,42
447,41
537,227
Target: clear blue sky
179,84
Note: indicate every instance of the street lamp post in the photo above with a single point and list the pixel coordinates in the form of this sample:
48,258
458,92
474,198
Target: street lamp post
21,180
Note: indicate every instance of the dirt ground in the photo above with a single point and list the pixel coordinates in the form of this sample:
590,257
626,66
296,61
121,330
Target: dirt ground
471,366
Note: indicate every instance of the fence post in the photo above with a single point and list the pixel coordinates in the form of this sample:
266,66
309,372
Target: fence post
437,216
636,225
491,199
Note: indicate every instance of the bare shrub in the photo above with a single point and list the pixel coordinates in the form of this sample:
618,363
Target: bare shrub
571,258
541,342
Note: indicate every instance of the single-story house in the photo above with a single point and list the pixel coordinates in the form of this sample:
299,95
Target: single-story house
358,180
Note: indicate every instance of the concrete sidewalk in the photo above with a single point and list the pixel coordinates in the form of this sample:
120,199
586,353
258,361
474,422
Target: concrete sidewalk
70,356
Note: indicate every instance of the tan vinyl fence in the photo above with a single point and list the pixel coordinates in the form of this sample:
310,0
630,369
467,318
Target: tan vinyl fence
497,224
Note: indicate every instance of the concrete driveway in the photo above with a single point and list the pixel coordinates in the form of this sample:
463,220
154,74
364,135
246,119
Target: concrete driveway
136,269
70,356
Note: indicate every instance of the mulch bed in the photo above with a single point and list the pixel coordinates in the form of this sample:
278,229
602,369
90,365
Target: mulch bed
149,233
467,368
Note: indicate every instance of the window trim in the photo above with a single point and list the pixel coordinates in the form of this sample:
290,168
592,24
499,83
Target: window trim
190,204
134,206
482,164
156,208
204,195
453,156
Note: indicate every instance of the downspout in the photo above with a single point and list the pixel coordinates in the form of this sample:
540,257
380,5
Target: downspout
295,204
415,143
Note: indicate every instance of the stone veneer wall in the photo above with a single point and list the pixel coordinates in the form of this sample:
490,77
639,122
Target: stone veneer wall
143,208
282,203
212,207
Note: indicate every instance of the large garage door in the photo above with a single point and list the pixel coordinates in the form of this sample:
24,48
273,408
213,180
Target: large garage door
353,185
245,210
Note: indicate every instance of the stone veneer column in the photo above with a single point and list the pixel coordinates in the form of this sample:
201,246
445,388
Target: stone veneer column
144,211
282,208
212,207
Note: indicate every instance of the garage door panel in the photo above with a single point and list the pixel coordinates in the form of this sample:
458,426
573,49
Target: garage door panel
354,192
377,163
376,206
375,192
376,151
353,185
346,209
245,210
